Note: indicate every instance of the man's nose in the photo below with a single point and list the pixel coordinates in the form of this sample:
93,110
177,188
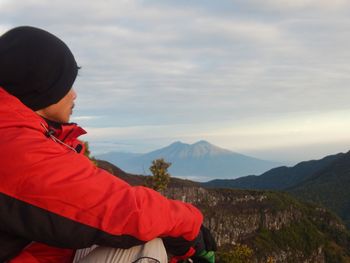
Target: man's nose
73,94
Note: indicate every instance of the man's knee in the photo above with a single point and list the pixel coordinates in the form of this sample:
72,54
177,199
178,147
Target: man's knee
150,252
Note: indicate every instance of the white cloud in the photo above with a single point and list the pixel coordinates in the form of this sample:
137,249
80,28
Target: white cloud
4,28
286,5
83,118
235,28
296,129
169,72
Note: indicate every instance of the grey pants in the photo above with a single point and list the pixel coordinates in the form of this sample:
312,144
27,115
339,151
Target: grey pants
151,252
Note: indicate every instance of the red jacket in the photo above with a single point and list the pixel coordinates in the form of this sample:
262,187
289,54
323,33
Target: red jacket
53,200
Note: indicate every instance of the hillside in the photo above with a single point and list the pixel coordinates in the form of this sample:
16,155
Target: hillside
200,161
270,224
325,182
277,178
141,179
329,187
260,225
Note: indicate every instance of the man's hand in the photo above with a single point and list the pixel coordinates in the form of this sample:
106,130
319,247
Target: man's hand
201,251
205,247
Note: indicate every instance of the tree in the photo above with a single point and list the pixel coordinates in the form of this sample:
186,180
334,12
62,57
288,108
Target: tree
87,152
160,177
87,149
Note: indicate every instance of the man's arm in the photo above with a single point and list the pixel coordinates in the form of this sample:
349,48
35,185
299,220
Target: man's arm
57,197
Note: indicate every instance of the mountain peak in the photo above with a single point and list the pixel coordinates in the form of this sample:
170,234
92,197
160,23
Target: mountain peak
201,160
204,148
177,143
198,149
202,142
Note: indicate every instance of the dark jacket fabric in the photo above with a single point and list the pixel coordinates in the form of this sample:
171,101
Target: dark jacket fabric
54,200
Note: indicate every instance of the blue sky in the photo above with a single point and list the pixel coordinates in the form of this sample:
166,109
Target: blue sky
264,78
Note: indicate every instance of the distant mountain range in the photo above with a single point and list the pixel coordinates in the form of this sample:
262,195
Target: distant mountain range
200,161
325,181
279,178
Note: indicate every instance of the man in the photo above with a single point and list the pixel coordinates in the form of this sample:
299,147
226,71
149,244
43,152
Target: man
53,200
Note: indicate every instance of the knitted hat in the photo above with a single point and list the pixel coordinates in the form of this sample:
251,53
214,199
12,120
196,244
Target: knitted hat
36,66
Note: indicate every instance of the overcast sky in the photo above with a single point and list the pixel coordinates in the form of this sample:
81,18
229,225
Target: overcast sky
264,78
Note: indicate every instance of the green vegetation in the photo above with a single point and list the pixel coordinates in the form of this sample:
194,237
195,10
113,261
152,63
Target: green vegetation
318,228
239,253
160,177
301,236
333,195
330,187
281,201
311,228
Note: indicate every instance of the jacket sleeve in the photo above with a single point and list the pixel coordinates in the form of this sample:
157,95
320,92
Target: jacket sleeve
58,197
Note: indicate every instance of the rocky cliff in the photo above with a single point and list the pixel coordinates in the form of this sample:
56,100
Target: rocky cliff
274,226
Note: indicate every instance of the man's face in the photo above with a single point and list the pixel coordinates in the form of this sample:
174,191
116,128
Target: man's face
60,111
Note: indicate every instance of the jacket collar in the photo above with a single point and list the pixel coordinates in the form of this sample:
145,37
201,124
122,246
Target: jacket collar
64,131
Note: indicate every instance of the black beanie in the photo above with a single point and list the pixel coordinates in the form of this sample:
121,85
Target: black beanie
36,66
